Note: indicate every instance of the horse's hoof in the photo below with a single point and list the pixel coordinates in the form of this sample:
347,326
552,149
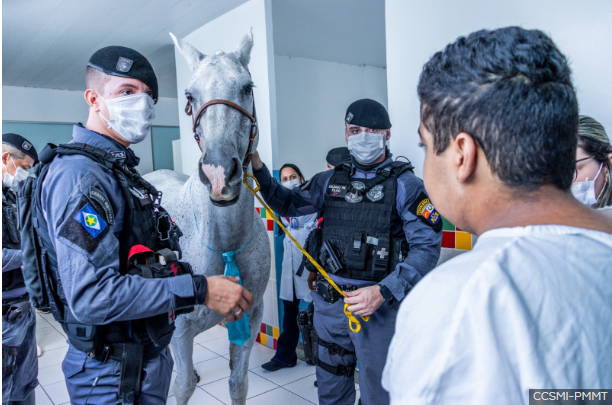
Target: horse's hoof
197,376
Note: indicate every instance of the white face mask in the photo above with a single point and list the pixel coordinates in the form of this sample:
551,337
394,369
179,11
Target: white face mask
291,183
584,191
130,116
366,147
13,180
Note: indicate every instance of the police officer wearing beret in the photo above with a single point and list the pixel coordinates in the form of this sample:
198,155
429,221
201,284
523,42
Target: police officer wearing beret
336,156
380,236
108,264
19,360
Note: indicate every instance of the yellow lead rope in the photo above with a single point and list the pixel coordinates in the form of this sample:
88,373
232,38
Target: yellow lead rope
353,322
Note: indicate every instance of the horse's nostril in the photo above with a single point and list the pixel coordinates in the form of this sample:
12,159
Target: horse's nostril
234,169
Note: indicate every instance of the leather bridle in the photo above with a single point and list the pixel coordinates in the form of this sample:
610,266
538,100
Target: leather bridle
253,118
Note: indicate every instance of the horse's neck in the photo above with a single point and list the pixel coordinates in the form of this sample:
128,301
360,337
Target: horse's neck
222,228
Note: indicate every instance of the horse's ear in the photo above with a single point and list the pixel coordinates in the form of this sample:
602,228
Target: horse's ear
192,55
243,50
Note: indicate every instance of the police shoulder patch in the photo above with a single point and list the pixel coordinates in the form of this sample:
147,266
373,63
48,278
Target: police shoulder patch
84,227
425,211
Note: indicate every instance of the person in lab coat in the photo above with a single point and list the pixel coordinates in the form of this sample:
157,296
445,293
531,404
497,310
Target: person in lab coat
294,280
530,307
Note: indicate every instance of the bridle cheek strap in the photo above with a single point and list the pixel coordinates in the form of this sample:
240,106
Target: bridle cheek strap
253,118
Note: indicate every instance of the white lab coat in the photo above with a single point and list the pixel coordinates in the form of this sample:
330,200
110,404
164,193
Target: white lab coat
299,228
529,307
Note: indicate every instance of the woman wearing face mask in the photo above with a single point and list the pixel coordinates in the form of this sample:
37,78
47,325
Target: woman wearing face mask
293,286
593,165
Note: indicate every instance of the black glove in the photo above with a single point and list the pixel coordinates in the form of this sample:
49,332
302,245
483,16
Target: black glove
200,286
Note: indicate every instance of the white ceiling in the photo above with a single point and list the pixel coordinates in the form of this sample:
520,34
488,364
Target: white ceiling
47,43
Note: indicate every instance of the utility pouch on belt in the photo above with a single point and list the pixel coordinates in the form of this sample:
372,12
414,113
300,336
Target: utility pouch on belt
306,326
327,291
84,337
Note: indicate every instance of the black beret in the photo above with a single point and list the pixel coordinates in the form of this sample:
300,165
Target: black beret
338,155
19,142
125,62
367,113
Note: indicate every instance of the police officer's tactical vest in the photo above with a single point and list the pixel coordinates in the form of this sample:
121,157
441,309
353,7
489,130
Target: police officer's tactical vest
11,239
362,224
145,223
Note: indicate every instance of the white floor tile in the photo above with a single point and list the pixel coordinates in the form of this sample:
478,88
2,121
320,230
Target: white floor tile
213,333
287,375
41,397
49,339
58,392
51,357
221,345
305,388
213,370
257,386
260,354
50,375
199,397
201,354
278,396
41,323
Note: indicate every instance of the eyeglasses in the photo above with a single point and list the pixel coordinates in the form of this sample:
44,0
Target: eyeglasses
578,161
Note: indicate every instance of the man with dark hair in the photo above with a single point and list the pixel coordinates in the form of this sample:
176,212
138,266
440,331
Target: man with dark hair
19,360
531,305
380,237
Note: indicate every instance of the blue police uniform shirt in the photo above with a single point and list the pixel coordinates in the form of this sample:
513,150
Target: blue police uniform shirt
423,240
89,266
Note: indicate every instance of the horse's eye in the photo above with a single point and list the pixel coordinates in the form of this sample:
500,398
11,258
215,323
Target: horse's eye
189,98
248,89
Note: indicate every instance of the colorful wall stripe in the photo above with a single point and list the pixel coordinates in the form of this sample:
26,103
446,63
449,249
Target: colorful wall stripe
268,336
455,238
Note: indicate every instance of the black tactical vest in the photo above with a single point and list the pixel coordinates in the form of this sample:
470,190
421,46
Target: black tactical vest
145,223
11,239
362,225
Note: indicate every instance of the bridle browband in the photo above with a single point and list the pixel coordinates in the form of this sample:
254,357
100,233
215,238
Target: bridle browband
253,118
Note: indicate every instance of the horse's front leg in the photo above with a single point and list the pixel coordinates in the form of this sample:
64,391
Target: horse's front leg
182,349
239,359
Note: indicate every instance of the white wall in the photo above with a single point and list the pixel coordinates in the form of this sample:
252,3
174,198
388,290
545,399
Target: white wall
312,98
415,30
225,33
29,104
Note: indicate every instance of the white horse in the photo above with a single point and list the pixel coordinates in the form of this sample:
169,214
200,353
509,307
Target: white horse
224,208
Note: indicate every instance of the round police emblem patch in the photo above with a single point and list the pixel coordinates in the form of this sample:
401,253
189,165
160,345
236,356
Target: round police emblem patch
354,196
376,193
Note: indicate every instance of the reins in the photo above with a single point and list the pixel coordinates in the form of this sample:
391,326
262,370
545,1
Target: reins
354,324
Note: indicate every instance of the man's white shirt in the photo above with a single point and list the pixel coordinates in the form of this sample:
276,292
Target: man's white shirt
528,308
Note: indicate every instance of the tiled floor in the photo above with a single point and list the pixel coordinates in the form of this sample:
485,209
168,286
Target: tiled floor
293,386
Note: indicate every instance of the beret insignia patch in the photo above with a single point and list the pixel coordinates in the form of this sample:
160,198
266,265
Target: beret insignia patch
124,64
349,117
26,145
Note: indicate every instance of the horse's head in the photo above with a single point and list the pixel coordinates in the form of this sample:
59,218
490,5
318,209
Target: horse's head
224,131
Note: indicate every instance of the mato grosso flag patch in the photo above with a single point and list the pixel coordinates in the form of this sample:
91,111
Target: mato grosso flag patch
91,220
